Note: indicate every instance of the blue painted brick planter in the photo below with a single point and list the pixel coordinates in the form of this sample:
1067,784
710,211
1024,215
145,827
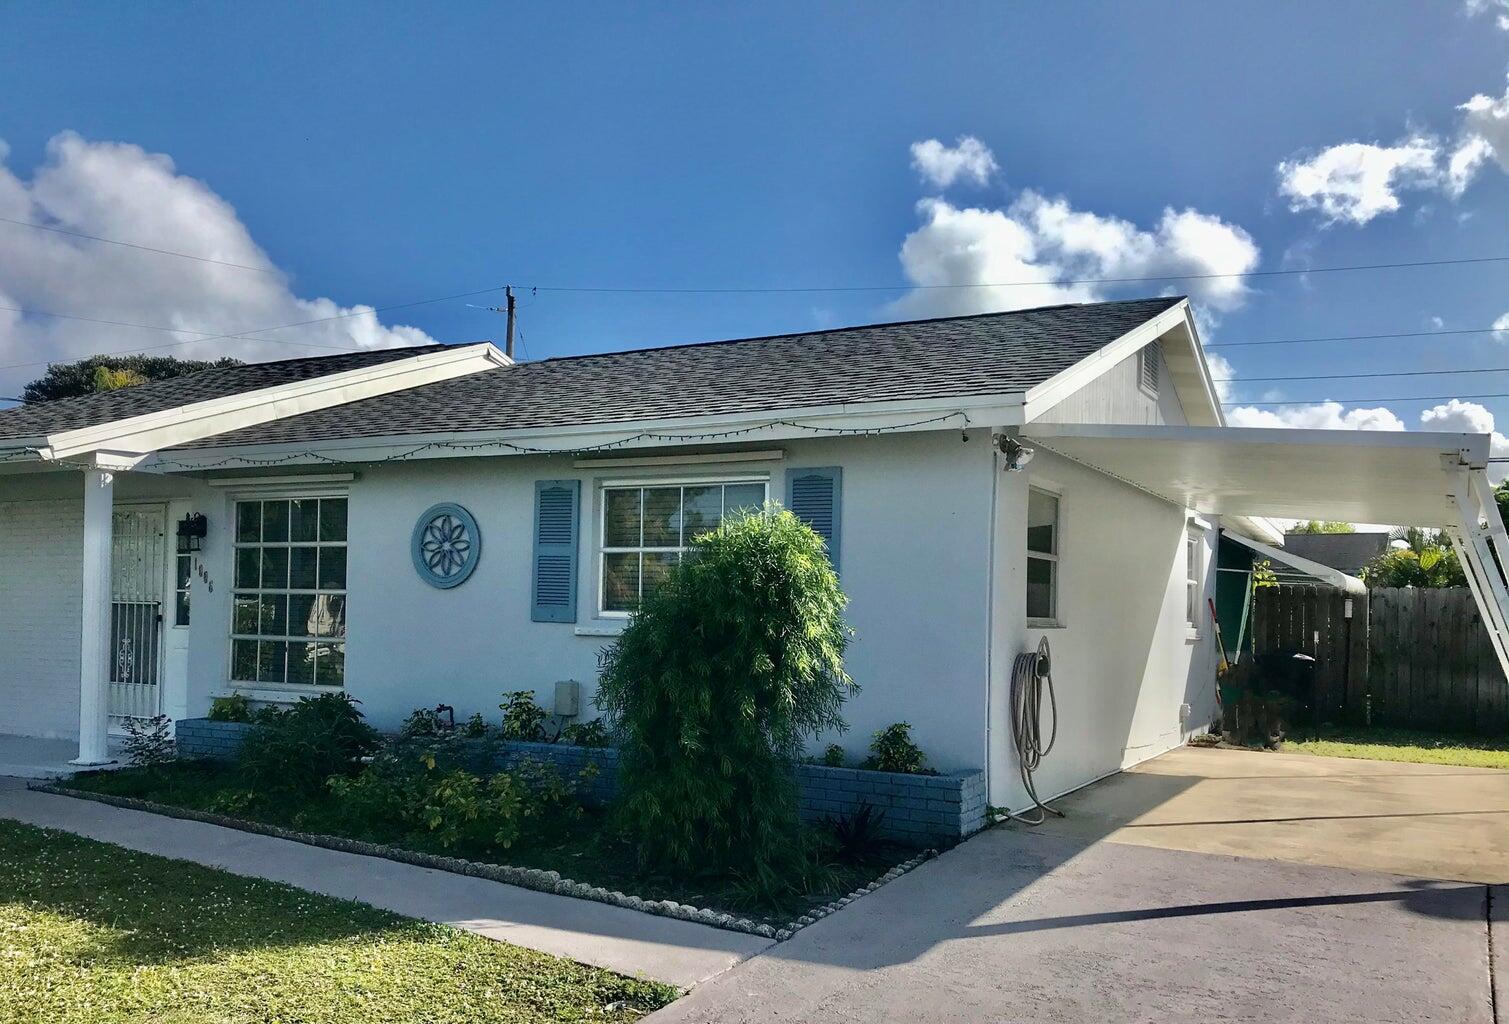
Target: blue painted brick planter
919,809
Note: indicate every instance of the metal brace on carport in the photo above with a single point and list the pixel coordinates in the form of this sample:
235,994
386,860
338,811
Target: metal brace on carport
1479,537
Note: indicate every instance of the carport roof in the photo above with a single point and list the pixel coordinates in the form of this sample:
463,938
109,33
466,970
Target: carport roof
1360,476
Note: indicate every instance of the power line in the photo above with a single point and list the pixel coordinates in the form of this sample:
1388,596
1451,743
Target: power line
1030,284
1357,337
1349,376
143,248
1353,401
248,335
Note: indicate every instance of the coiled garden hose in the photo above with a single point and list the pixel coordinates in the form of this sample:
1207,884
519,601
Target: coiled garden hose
1031,679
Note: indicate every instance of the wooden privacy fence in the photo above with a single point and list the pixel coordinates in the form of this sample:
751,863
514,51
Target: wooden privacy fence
1406,657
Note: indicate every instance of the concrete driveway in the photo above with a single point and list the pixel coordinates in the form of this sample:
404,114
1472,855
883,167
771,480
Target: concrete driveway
1093,919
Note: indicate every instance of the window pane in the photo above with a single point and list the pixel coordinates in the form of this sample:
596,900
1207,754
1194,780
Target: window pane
248,521
248,567
244,615
330,665
702,510
1040,573
181,609
301,663
742,496
274,615
662,517
301,614
244,661
1042,522
304,519
183,568
274,521
332,519
621,518
657,566
620,582
329,615
332,568
271,655
275,567
301,568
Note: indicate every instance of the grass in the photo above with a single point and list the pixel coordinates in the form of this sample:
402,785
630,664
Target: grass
95,934
1406,745
583,849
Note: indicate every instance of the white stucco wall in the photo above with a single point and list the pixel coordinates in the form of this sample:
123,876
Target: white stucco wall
1123,657
915,518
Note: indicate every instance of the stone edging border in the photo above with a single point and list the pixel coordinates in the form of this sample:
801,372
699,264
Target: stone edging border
524,878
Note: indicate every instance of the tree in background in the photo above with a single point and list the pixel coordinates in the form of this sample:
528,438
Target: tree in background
107,373
1319,526
729,665
1430,566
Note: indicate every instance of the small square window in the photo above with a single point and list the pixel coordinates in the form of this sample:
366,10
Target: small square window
1042,555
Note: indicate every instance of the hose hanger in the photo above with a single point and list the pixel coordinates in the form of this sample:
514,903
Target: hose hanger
1031,679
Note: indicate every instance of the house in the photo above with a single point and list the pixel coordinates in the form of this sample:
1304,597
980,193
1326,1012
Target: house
1349,552
442,524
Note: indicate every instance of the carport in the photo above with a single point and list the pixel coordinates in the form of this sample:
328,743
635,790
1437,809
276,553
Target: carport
1436,480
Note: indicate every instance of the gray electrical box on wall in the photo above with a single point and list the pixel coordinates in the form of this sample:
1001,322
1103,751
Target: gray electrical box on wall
568,698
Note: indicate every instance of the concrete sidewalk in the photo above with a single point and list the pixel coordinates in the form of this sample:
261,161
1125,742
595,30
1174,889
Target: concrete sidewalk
680,953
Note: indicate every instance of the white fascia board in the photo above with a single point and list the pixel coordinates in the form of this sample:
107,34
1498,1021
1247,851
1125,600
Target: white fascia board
1335,577
1195,349
772,425
1257,527
1471,449
1061,385
183,424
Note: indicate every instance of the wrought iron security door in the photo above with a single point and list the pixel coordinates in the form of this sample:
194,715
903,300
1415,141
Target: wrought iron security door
138,553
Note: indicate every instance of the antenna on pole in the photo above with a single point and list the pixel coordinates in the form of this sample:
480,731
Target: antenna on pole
508,343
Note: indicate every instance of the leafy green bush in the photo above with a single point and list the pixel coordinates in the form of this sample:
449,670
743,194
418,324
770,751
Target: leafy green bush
729,665
149,742
475,727
833,756
1432,566
856,836
450,807
234,708
292,751
586,734
892,750
523,719
423,722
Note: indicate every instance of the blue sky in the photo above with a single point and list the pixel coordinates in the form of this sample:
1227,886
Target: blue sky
381,153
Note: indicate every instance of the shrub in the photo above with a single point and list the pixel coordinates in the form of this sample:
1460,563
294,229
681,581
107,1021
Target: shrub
892,750
234,708
523,719
727,667
833,756
586,734
292,751
856,836
149,742
475,727
423,722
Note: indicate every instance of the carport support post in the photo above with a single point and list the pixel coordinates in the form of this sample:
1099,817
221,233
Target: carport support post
94,649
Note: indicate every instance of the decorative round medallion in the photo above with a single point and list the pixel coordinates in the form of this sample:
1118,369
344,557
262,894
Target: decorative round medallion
446,545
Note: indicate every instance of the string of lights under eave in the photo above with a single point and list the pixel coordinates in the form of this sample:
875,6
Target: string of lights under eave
606,446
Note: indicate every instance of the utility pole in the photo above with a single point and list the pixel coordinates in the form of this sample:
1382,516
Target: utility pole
508,344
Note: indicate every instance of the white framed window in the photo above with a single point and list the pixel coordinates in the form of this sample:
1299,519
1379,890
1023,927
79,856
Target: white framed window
1043,540
648,527
288,608
1194,547
1149,359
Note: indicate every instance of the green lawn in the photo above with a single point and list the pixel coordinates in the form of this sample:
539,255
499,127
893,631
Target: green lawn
1406,745
95,934
584,849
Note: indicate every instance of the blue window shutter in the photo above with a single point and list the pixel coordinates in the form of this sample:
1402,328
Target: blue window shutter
556,517
815,496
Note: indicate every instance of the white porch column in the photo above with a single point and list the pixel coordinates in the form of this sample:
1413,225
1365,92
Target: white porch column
94,650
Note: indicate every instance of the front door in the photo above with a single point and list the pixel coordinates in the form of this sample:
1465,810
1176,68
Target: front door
138,565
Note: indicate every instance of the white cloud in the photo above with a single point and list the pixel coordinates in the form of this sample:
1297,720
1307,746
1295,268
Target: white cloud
1047,244
1501,328
1500,9
1354,182
1469,418
1357,181
969,159
1315,416
120,191
1221,372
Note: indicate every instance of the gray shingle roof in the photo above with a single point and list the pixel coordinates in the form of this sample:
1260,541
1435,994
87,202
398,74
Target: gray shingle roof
90,410
987,354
